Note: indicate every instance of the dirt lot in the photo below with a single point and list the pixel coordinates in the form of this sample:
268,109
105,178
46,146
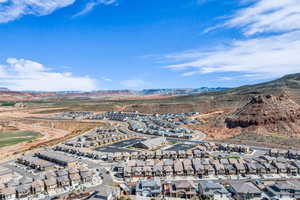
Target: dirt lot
53,131
264,140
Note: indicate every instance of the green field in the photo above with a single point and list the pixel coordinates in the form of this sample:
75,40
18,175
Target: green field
8,103
15,137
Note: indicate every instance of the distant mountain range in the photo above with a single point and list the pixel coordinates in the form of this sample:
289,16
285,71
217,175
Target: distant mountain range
179,91
8,95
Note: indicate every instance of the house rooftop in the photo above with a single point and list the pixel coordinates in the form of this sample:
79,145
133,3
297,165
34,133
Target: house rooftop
211,187
245,188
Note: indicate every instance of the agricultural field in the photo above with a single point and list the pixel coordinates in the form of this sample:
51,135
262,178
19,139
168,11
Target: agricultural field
9,138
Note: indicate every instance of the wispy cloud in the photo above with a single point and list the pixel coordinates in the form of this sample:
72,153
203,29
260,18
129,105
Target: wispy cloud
92,4
21,74
106,79
13,9
270,47
273,56
268,16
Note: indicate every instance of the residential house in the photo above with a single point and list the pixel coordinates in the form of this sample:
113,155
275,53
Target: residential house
240,168
182,154
75,179
158,169
284,189
134,155
168,170
158,154
270,168
281,167
230,169
282,152
251,168
149,188
197,153
148,171
23,191
212,190
37,187
187,167
150,155
63,181
245,190
181,189
86,175
291,169
168,162
224,161
297,165
209,170
128,172
219,168
8,193
260,168
51,184
178,168
198,167
189,154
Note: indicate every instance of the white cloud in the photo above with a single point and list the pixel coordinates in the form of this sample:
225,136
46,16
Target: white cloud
21,74
133,83
91,5
268,16
272,56
263,56
106,79
13,9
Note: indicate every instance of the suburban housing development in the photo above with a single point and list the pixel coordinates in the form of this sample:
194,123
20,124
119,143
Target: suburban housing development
149,156
149,99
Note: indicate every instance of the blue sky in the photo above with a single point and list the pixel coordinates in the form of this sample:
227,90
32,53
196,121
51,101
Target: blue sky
56,45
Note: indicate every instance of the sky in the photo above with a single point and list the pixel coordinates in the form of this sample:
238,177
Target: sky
86,45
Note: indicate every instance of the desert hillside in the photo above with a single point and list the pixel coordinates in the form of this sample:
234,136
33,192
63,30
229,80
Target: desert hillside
266,108
227,99
277,114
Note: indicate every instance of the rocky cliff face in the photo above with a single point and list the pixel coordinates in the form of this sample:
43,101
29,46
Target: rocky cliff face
275,113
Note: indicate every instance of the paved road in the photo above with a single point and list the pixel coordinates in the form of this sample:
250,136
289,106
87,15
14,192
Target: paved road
107,179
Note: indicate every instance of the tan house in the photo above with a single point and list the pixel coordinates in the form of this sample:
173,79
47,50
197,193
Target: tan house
37,187
51,184
181,189
178,168
8,193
